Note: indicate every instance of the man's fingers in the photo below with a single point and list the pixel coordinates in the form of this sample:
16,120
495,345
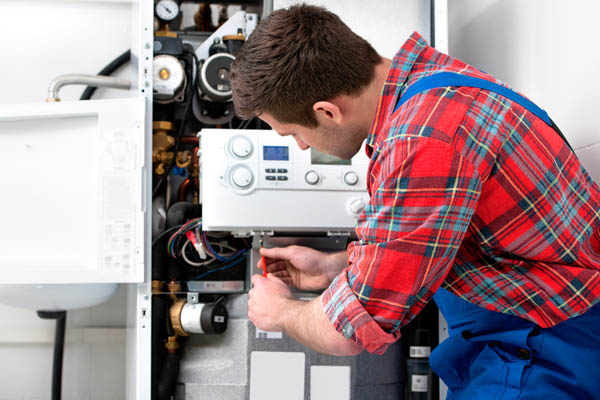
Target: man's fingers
275,266
255,279
278,253
275,279
281,274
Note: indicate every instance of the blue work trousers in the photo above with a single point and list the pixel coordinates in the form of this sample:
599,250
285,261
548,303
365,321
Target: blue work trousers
490,355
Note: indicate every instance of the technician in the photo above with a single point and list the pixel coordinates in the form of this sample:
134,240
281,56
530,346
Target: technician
475,200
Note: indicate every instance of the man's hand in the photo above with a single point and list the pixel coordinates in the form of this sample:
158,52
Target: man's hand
303,267
267,302
271,307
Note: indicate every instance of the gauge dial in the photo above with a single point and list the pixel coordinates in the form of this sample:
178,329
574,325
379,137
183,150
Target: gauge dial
166,10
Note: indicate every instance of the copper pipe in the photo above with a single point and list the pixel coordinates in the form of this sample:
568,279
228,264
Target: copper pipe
182,189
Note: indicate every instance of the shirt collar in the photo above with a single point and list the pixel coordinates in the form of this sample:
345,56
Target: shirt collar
396,81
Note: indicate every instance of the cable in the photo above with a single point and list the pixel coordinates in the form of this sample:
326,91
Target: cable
187,260
245,124
165,233
194,263
234,263
106,71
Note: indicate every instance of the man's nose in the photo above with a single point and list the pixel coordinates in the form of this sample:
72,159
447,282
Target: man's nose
301,144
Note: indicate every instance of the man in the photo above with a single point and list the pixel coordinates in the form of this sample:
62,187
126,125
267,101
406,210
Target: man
474,197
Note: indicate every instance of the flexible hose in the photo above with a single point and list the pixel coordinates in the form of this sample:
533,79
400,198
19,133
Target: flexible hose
80,79
59,346
106,71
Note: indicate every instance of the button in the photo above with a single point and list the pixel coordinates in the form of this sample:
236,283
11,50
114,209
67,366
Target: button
270,177
282,178
523,354
281,171
241,147
356,206
241,177
311,177
270,170
350,178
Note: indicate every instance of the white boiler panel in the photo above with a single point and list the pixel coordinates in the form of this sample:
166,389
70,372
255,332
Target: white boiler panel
256,180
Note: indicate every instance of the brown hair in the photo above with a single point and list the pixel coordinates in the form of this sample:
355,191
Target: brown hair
296,57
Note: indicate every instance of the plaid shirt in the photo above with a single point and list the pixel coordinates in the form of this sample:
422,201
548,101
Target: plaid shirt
470,192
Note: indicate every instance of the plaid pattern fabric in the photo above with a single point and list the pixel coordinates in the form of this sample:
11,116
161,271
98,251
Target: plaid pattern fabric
470,192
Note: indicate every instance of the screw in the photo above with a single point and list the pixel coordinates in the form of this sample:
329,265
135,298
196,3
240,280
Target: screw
205,112
147,46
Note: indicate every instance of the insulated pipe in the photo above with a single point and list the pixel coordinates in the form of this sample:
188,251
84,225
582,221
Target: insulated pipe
79,79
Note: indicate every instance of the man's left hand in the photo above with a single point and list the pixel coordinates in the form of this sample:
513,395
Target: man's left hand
266,302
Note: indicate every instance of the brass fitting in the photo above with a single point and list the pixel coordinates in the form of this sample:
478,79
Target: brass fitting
184,158
172,344
174,288
156,287
161,143
165,31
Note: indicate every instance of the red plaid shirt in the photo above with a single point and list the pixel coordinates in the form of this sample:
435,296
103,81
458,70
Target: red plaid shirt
470,192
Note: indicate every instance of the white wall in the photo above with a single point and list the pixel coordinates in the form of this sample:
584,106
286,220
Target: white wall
384,24
546,49
40,40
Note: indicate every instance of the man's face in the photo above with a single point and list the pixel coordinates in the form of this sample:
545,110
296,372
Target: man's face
338,141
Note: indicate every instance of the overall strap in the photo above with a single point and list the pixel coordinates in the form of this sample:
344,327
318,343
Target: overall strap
445,79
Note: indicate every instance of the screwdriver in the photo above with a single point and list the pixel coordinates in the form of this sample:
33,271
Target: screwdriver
263,261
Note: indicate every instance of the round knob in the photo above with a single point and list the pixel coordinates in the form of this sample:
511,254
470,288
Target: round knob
241,177
241,147
356,206
350,178
311,177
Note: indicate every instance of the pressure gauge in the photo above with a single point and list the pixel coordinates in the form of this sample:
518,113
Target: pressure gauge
166,10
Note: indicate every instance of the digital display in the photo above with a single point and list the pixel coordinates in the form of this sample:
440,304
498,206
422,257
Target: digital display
276,153
318,158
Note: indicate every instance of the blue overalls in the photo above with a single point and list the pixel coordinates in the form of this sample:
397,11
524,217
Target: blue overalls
490,355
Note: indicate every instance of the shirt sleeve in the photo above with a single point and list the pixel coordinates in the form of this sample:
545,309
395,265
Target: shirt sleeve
423,195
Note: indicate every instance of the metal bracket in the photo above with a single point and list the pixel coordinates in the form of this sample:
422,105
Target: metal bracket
192,298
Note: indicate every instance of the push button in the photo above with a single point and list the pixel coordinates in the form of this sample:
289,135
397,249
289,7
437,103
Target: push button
282,178
270,170
270,177
281,171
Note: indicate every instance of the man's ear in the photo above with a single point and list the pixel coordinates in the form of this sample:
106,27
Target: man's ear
328,113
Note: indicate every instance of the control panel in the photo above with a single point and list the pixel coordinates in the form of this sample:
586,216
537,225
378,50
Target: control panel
258,180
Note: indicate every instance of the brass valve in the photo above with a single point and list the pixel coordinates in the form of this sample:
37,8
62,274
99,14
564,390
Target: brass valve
161,143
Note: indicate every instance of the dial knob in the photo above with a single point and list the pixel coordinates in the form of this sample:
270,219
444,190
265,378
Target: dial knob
356,206
241,177
350,178
241,147
311,177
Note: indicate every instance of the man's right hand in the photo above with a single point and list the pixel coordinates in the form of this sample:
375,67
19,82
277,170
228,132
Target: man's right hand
303,267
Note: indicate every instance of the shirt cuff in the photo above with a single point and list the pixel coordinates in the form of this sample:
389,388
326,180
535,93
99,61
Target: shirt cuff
347,314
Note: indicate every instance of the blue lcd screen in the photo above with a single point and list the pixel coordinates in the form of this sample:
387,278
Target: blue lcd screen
276,153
